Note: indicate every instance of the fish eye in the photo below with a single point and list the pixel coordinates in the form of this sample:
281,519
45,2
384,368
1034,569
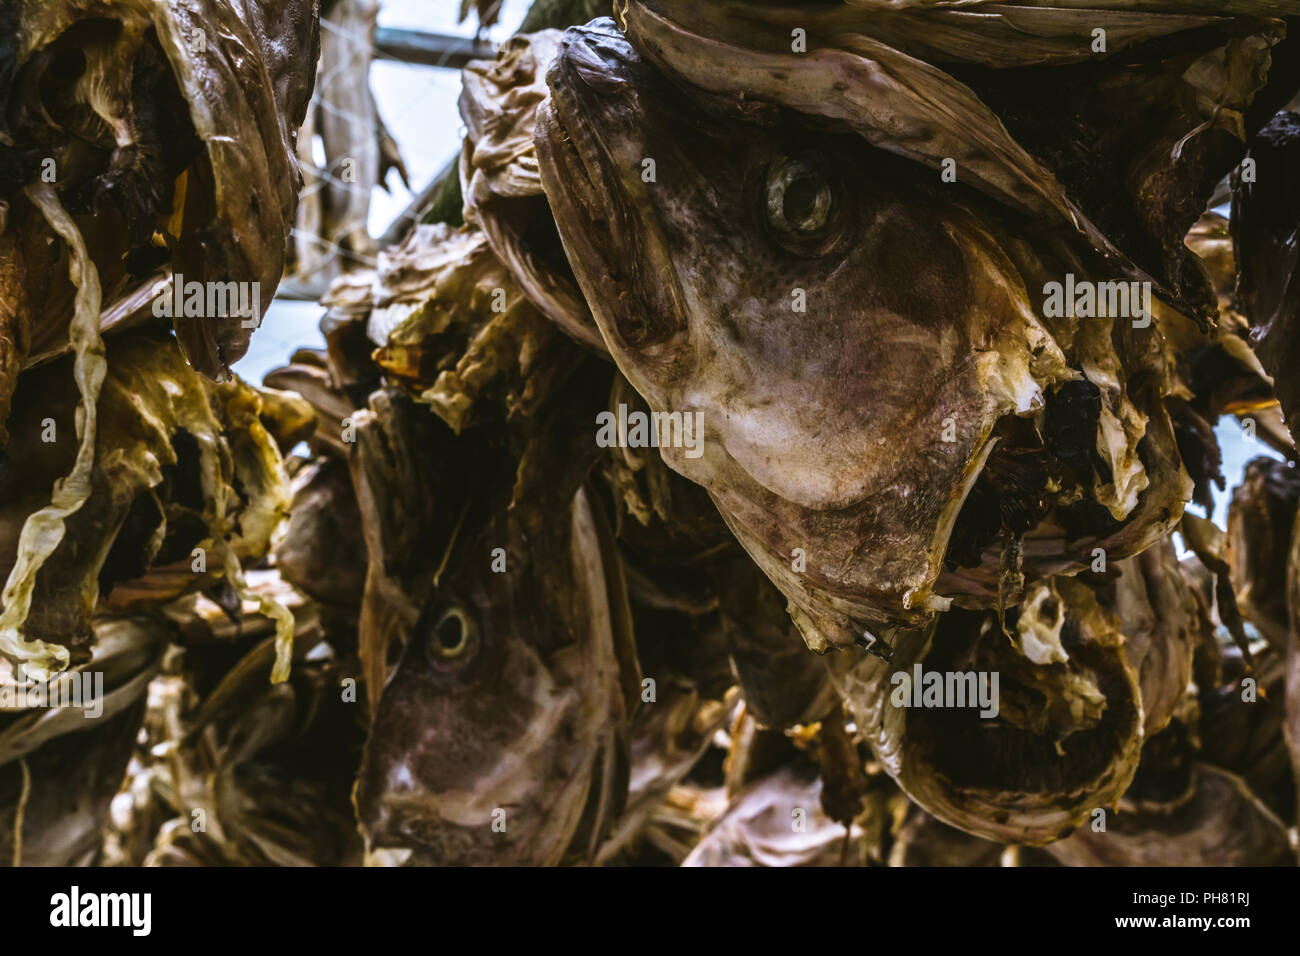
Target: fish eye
800,205
798,197
451,636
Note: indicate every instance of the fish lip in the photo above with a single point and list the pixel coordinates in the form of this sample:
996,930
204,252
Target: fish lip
576,153
612,240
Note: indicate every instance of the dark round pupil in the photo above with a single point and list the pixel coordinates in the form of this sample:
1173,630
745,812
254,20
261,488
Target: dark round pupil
800,199
450,631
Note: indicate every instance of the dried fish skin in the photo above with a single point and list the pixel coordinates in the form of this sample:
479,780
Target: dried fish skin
266,768
179,125
1266,237
44,528
1163,626
666,740
756,828
498,103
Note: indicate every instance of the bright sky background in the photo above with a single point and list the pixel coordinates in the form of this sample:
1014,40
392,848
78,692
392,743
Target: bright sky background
418,104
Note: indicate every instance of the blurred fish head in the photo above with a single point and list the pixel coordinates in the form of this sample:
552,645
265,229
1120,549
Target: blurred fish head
497,738
834,318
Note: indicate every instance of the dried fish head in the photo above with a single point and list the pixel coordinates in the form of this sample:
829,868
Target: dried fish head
1260,521
1015,737
498,737
729,263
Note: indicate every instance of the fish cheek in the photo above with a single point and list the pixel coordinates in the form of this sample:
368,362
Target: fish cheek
913,269
444,729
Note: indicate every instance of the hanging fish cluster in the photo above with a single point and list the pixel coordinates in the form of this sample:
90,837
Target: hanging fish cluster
785,460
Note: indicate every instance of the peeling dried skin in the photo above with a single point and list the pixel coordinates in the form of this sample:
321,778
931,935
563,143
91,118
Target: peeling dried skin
159,137
1162,625
893,393
501,184
666,739
75,763
44,529
453,326
168,455
528,714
